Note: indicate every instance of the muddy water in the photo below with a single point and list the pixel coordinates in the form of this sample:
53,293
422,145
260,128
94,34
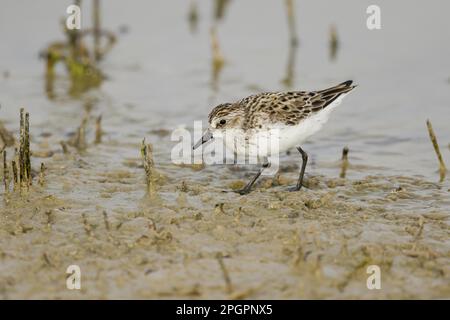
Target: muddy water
93,211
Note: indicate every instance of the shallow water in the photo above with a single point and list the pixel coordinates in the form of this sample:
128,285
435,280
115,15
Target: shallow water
275,244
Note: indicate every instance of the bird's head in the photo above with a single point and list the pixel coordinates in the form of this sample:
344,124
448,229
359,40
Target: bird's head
226,116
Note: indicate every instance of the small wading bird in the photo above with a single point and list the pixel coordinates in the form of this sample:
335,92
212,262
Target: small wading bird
295,116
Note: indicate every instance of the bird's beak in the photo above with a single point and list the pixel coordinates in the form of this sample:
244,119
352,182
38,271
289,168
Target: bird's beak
206,137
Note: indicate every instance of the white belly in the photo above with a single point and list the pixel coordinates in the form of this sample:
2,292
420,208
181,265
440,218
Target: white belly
292,136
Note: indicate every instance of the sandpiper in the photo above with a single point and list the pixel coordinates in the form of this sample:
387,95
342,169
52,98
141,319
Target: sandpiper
295,115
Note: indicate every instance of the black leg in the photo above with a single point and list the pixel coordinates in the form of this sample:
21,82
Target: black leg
250,184
302,171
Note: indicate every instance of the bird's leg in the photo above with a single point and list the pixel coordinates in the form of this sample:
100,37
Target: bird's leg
302,171
250,184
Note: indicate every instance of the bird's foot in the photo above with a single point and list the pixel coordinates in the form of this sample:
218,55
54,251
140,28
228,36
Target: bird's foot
242,191
296,188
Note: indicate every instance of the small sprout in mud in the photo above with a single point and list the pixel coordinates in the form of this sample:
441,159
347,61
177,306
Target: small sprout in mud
183,187
98,130
442,167
344,164
421,224
398,189
87,226
5,173
47,259
152,224
218,209
80,143
198,216
65,150
334,42
42,174
50,216
106,220
6,138
79,140
150,174
226,276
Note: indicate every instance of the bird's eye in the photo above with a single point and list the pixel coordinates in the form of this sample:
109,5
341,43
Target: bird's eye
222,122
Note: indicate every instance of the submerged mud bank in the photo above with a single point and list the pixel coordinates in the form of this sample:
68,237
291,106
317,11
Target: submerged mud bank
196,239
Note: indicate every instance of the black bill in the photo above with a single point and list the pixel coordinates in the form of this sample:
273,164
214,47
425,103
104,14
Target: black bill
206,137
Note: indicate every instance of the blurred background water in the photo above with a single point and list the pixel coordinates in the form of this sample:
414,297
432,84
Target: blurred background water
159,73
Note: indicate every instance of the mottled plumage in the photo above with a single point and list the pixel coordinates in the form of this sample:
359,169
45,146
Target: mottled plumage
288,117
288,108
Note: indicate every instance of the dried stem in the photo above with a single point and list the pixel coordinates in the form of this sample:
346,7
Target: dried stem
442,167
27,159
87,226
106,220
226,276
150,173
64,147
98,130
15,172
5,173
42,174
21,149
344,162
79,140
24,150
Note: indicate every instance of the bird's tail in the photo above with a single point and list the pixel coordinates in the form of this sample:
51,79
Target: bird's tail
338,89
331,94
